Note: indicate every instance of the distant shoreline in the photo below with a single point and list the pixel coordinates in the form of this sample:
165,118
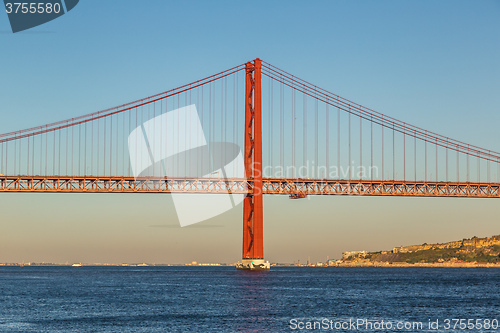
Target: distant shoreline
468,252
438,265
343,265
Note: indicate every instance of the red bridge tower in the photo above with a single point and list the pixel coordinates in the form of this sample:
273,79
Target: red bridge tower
253,242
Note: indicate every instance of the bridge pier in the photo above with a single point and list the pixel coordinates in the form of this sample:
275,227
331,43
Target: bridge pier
253,265
253,242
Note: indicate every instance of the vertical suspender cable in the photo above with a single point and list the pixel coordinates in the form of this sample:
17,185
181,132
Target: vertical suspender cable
271,116
498,170
316,157
425,140
59,150
360,147
226,130
436,161
223,116
447,149
371,147
66,154
349,132
98,143
28,163
468,179
415,152
46,148
209,114
33,153
327,130
53,154
85,149
316,129
72,149
117,155
15,154
478,169
41,153
404,152
393,154
282,129
488,169
79,148
305,133
124,139
294,114
338,142
383,175
190,103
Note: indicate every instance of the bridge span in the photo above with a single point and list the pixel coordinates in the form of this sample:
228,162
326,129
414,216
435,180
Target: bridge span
277,186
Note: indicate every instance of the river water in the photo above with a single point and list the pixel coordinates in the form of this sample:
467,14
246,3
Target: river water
221,299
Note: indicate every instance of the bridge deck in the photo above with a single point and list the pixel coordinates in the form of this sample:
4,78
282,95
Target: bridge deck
285,186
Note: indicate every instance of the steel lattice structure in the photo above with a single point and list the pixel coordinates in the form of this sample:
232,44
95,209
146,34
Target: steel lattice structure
276,186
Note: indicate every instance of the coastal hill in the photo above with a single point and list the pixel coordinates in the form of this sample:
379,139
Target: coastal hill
479,250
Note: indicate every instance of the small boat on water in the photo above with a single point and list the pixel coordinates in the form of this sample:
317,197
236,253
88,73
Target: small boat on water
77,265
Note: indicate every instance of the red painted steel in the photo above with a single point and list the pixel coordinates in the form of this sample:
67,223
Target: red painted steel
253,247
277,186
257,166
248,203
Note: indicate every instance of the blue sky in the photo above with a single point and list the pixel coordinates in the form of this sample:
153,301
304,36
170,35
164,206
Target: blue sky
431,64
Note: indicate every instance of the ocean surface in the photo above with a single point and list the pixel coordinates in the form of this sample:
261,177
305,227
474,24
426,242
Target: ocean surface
221,299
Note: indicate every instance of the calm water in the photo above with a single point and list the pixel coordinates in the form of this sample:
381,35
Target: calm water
199,299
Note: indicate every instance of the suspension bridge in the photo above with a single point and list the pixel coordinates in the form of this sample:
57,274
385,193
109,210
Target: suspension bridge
298,140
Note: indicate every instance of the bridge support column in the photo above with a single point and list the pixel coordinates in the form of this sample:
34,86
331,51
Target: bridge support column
253,240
